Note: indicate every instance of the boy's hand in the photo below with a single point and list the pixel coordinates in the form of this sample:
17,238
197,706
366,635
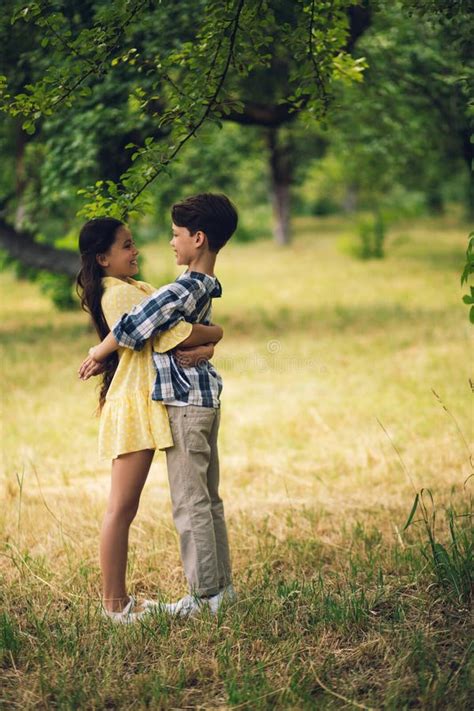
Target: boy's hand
90,366
189,357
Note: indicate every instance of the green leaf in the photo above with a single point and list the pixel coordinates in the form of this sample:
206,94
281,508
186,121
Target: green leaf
412,513
28,126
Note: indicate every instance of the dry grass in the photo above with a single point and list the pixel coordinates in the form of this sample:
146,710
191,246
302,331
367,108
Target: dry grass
328,364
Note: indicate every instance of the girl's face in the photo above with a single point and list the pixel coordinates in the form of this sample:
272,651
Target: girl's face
120,261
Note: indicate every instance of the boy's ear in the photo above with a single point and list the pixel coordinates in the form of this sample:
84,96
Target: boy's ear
102,260
200,238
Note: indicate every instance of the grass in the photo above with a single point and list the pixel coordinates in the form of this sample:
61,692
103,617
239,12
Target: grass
330,428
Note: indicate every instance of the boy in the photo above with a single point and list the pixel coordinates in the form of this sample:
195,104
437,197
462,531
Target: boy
202,225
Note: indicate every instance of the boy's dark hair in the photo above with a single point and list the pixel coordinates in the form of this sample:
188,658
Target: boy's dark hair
213,214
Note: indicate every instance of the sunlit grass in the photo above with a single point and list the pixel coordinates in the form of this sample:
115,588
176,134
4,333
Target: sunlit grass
329,367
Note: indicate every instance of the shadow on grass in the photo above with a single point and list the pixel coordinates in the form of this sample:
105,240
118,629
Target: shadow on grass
359,618
443,259
35,334
357,320
360,320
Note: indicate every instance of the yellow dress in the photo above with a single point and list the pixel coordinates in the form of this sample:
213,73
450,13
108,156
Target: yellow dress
130,420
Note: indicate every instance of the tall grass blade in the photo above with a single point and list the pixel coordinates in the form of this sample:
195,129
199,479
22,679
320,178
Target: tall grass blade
412,512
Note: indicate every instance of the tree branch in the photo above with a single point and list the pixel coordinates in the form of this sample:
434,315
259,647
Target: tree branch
65,44
210,105
96,67
22,247
317,74
269,116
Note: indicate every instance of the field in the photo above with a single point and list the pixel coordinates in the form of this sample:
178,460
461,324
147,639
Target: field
346,392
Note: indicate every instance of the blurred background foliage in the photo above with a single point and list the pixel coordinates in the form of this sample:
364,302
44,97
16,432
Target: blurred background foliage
395,145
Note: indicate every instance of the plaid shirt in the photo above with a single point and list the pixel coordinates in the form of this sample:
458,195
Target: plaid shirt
189,298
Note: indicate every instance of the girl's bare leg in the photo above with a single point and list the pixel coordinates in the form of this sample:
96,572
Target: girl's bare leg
129,473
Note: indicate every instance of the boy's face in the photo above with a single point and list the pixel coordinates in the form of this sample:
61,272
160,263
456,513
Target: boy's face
184,244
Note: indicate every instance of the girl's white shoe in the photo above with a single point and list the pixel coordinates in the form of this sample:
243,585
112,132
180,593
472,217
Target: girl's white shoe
128,615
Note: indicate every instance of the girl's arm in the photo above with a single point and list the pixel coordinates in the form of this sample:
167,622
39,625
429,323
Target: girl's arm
97,354
200,335
105,348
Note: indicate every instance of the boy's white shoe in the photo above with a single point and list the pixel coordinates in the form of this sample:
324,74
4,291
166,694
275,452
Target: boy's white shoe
191,605
224,597
127,616
153,605
187,606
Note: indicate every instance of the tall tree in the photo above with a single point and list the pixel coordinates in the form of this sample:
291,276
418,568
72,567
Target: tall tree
412,122
114,91
272,97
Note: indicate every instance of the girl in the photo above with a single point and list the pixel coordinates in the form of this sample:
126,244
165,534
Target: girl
132,425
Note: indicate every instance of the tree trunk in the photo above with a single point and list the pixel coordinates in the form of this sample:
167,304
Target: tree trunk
281,214
19,244
349,202
280,175
21,139
434,200
468,156
22,247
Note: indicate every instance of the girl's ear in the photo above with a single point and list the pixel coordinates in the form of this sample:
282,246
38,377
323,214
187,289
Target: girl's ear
102,260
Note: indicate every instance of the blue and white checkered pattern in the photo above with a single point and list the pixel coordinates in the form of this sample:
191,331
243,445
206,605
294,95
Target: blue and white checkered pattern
188,298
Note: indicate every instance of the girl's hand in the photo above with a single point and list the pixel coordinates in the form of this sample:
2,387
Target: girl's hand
90,367
94,353
189,357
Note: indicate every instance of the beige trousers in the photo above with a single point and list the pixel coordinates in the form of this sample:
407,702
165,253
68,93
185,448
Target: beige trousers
198,511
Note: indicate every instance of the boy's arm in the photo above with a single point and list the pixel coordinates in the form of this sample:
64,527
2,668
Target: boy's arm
195,356
119,301
202,335
159,312
199,335
201,341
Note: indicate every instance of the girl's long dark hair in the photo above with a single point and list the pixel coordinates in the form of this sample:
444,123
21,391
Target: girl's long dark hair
96,237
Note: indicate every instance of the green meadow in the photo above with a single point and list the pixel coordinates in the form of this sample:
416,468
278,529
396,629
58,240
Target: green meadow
347,392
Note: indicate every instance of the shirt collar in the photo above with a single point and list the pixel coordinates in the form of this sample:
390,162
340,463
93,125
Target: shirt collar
211,283
108,281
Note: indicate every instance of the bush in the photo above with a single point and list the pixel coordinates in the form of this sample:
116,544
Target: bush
370,239
59,288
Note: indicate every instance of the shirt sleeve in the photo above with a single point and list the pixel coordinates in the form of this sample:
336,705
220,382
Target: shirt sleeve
118,300
168,340
159,312
121,299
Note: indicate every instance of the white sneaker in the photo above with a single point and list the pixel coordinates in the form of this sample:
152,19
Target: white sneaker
187,606
127,616
154,605
191,605
224,597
